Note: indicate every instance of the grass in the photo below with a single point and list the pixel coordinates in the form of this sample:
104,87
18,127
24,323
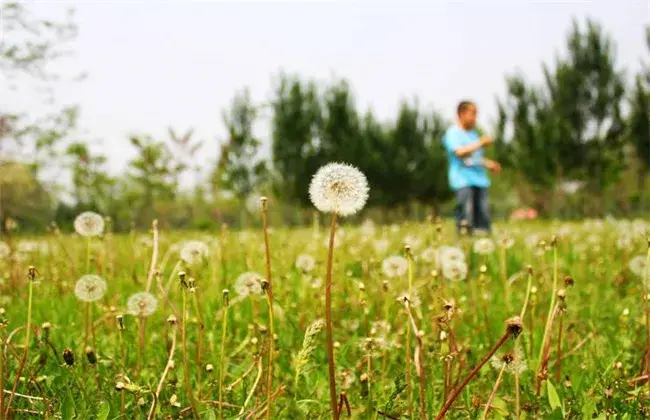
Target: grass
206,352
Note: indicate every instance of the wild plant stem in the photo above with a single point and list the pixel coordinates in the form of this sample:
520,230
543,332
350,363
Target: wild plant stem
494,392
254,387
409,385
154,255
418,362
547,327
199,345
141,337
328,320
28,329
558,356
528,287
504,277
186,368
646,299
269,294
517,397
224,326
123,357
471,375
170,360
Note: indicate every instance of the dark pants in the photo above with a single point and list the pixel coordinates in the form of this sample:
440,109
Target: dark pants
472,208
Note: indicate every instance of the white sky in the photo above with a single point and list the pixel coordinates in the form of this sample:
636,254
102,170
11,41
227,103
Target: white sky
153,64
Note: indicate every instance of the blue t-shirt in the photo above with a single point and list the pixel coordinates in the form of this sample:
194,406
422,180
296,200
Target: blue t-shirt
468,171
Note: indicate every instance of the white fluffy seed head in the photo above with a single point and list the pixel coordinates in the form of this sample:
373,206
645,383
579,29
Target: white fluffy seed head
194,252
142,304
249,283
339,188
89,223
395,266
90,288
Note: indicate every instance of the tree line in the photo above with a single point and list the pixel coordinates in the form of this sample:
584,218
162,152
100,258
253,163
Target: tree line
577,143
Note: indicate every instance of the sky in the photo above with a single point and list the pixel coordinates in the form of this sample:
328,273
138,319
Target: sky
155,64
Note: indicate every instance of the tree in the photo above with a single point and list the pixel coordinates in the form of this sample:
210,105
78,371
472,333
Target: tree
570,127
154,178
240,169
295,124
91,184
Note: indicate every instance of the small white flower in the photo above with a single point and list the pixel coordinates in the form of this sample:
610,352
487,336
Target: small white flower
142,304
395,266
339,188
484,246
194,252
305,263
249,283
88,224
90,288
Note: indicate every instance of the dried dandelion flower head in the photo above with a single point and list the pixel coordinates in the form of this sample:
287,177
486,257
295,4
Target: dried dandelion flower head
89,224
90,288
513,362
142,304
413,299
194,252
305,263
249,283
394,266
339,188
484,246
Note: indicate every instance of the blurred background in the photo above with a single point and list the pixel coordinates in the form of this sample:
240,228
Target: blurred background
189,111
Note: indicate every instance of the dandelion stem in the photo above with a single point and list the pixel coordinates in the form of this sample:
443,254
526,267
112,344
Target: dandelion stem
186,368
269,295
123,357
199,345
418,362
170,361
494,392
547,327
528,287
517,397
646,300
504,277
154,255
471,375
224,326
409,385
254,387
28,329
558,356
328,320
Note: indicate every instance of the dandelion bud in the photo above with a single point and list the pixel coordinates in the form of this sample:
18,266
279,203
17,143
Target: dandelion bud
46,329
554,241
384,285
533,290
483,269
91,356
171,320
561,294
181,277
226,295
407,251
192,283
568,281
514,326
31,273
141,402
254,341
363,378
618,365
362,287
209,368
265,285
263,202
443,335
120,322
434,274
119,386
68,357
609,393
567,382
529,269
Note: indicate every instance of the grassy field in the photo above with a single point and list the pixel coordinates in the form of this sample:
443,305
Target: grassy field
409,324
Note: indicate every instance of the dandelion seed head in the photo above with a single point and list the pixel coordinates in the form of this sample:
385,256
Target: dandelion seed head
305,263
90,288
89,224
454,270
394,266
429,255
142,304
249,283
637,265
339,188
194,252
484,246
